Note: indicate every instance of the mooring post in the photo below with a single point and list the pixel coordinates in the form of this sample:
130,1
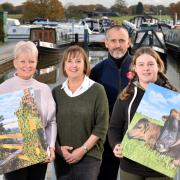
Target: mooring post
3,26
76,37
86,37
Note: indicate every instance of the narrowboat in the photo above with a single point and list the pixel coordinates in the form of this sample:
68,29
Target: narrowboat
49,43
146,32
172,41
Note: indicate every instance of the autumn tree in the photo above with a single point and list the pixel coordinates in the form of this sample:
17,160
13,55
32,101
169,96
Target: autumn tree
147,8
175,8
132,10
30,11
51,9
56,10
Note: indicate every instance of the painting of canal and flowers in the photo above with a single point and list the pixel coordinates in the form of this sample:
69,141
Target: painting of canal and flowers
22,141
153,136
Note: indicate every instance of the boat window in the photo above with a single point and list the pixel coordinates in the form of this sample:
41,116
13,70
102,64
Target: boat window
139,37
46,35
155,40
33,35
52,36
40,35
147,40
46,39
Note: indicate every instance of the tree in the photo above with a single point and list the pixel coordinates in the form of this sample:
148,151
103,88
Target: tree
175,8
2,129
132,10
76,12
1,118
100,8
51,9
18,9
139,8
87,8
73,12
120,7
163,9
56,10
7,7
30,11
153,9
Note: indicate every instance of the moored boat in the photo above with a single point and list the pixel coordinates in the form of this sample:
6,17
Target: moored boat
49,42
146,32
172,41
151,37
17,31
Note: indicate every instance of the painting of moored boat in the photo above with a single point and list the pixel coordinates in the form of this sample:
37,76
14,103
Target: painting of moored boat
22,141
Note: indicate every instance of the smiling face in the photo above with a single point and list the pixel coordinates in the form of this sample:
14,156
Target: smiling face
146,68
74,66
117,42
25,64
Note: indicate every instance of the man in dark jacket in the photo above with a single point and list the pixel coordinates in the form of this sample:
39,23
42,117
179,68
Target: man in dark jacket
112,74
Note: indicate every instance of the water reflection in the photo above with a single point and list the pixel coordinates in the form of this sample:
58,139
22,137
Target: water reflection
173,71
96,56
47,75
49,71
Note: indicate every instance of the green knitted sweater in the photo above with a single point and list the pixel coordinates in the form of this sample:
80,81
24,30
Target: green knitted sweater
79,117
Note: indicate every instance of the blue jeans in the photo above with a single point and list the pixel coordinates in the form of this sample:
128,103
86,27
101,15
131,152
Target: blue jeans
85,169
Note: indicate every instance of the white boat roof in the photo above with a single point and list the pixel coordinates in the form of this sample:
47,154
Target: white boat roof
13,22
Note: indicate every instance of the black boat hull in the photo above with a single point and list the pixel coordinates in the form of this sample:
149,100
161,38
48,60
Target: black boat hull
172,41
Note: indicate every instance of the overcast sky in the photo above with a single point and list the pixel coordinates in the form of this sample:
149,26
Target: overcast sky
107,3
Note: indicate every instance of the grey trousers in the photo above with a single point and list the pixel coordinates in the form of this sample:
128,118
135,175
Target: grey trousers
86,169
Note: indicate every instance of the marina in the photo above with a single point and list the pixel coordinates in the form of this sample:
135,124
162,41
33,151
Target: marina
52,38
92,29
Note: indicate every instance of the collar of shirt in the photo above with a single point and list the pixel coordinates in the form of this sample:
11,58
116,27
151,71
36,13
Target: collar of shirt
86,84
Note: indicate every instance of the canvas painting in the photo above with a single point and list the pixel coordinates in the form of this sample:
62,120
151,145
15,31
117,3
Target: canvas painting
22,141
153,136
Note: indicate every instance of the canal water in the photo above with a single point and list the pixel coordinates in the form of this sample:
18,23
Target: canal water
50,73
173,70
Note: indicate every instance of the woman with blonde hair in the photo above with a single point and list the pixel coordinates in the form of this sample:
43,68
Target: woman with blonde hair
146,67
25,62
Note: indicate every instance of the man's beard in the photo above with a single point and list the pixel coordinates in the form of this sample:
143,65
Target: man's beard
117,55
